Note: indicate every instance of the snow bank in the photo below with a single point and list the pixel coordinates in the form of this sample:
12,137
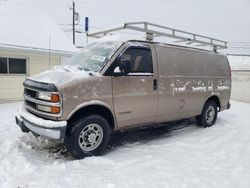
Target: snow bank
188,157
25,27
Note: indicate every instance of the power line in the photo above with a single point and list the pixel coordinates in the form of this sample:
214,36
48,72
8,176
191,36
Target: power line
240,47
239,42
201,23
136,12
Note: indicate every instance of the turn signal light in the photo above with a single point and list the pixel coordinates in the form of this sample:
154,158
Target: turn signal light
50,109
55,110
55,98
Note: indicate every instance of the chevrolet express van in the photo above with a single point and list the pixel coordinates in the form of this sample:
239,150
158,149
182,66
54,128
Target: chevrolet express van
115,85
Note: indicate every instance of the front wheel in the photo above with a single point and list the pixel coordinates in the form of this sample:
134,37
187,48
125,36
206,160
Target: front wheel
88,136
209,114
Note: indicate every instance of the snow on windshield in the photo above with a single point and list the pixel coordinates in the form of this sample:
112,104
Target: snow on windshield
94,55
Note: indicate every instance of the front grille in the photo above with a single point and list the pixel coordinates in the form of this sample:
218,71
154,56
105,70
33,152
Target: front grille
30,104
30,93
32,101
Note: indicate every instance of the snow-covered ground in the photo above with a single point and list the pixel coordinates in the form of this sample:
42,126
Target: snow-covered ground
164,157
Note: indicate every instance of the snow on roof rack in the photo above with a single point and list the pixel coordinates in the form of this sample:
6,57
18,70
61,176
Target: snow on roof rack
154,30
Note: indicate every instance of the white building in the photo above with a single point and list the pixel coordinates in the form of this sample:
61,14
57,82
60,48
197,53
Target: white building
240,66
29,43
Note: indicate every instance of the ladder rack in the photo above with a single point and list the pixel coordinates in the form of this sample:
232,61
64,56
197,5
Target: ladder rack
152,30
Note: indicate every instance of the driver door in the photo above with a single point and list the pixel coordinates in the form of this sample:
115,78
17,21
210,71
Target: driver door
135,95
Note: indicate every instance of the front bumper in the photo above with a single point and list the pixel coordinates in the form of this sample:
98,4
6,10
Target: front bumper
47,128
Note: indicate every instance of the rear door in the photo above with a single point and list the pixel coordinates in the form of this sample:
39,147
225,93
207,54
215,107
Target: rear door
170,84
136,94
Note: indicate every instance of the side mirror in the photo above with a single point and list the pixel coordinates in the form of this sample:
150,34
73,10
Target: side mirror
124,66
117,70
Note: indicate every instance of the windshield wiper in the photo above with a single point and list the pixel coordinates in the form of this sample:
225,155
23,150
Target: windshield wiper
65,69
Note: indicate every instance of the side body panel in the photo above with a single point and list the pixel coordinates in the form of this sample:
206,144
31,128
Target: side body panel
187,79
168,108
94,90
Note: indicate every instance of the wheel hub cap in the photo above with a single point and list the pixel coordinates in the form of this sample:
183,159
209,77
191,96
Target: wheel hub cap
90,137
210,113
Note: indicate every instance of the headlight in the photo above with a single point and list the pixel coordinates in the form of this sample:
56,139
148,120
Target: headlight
48,97
44,96
50,109
43,108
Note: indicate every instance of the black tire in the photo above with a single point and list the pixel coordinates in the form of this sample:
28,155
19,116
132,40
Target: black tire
208,117
77,138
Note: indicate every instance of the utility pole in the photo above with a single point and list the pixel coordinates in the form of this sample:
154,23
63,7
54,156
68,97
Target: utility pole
86,28
75,20
74,13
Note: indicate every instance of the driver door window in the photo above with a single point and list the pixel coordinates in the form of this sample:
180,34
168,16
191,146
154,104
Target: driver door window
140,60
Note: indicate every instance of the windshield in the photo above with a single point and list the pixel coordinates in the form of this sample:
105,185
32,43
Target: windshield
93,56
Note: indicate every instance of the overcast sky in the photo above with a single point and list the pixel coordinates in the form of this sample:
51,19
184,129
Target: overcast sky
223,19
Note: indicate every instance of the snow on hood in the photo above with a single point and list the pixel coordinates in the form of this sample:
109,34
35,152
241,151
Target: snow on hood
62,75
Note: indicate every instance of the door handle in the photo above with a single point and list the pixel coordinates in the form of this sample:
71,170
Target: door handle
155,84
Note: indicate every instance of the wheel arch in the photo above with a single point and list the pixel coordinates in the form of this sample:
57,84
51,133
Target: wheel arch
93,108
215,98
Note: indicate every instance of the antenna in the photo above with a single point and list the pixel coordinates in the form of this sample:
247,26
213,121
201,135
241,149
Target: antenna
49,50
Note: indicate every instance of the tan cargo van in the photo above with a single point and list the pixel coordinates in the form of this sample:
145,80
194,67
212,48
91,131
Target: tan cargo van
119,84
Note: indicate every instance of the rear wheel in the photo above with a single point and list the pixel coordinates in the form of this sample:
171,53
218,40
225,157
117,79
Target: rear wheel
88,136
209,114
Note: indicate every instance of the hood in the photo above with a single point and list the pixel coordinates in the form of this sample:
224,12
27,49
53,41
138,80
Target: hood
62,76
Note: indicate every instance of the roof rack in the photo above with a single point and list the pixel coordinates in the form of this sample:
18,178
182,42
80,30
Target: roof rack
154,30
